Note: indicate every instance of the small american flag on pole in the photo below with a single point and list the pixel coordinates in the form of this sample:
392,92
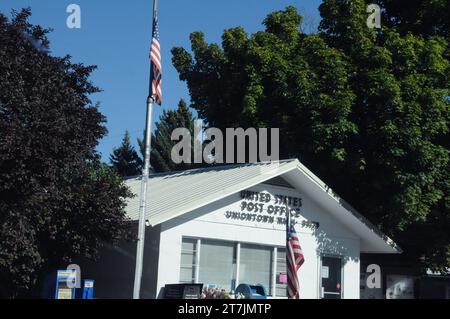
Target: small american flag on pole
295,259
156,67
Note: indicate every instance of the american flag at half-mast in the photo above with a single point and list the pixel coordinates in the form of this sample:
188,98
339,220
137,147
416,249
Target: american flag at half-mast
156,67
295,259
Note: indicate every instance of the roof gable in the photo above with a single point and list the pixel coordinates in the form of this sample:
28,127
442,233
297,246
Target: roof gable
174,194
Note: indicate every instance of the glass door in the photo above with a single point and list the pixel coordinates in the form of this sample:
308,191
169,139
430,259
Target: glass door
331,277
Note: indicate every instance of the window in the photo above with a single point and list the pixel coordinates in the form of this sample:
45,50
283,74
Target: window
281,286
188,260
217,263
214,262
256,265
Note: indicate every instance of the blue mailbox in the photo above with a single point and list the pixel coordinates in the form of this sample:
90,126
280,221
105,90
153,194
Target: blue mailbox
252,291
66,281
88,289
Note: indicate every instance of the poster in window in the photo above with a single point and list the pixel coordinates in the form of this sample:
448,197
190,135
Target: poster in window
325,272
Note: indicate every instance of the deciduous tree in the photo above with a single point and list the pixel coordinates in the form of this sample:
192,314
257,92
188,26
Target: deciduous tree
57,201
365,109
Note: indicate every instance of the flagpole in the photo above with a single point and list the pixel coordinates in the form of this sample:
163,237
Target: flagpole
144,183
288,225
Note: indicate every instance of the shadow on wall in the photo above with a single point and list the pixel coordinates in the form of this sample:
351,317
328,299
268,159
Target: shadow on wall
114,271
332,246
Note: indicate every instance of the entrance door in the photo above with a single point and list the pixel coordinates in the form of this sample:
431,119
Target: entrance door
331,275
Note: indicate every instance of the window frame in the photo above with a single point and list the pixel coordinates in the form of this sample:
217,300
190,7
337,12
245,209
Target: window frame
236,269
321,295
195,265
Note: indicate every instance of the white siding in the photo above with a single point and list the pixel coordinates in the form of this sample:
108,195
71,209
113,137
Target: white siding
332,238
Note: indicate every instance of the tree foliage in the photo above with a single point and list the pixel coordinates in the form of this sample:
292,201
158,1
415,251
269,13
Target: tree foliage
365,109
57,202
162,144
424,17
125,160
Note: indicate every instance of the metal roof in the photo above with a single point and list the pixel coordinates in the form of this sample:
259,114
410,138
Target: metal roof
173,194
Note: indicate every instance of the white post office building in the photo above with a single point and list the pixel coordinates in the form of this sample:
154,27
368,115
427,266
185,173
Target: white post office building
224,226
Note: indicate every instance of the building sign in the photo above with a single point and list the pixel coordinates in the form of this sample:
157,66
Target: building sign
263,207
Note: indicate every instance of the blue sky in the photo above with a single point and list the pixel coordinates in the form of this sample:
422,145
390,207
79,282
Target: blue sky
115,36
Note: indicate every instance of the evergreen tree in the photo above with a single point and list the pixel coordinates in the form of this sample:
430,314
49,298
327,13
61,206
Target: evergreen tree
162,144
125,159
